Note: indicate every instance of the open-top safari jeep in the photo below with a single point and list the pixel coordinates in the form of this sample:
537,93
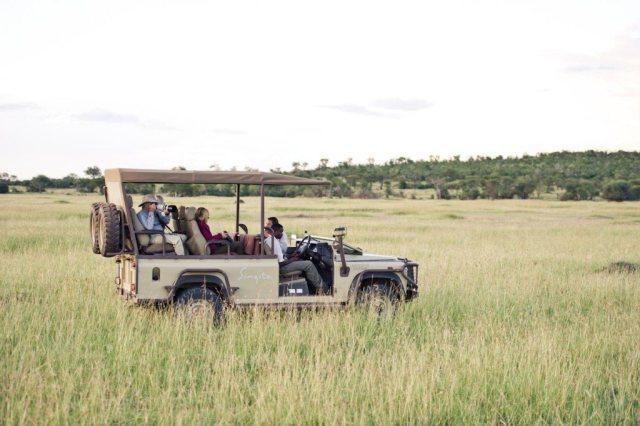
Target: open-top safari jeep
149,272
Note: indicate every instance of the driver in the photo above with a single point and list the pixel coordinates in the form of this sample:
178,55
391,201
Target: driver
153,220
293,262
283,240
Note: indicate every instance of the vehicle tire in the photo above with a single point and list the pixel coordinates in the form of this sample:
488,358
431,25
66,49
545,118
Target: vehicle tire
109,230
195,301
94,227
378,298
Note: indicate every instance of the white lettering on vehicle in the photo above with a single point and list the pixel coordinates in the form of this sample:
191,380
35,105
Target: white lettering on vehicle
253,276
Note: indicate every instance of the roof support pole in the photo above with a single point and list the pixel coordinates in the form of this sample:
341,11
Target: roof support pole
127,216
237,208
261,227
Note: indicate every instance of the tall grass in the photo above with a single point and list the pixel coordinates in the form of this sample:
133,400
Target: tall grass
519,321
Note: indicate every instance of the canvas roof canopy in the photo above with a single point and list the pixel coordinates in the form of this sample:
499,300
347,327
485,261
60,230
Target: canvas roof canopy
206,176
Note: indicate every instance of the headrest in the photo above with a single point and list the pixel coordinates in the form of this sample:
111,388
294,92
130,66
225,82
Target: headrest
190,213
128,201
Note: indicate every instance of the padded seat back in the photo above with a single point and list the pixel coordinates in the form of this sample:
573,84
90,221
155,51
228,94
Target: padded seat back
143,240
182,222
247,241
257,245
195,241
175,223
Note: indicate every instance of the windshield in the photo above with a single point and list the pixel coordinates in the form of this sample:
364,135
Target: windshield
347,248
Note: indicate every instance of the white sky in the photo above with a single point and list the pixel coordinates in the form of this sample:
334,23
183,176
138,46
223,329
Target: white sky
262,84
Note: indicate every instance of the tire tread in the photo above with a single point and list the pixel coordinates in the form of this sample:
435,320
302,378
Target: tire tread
94,227
110,241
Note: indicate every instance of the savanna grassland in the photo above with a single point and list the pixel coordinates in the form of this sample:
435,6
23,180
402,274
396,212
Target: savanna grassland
517,322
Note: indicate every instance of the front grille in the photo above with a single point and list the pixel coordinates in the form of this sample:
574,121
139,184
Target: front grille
411,271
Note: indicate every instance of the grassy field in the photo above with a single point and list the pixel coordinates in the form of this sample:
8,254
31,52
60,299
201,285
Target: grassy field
516,323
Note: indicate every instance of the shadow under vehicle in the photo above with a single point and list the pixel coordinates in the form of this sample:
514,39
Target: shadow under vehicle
149,272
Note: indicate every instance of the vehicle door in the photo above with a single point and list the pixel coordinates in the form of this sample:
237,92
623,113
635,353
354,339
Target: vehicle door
254,279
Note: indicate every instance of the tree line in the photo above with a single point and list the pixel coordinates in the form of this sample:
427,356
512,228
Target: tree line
92,181
584,175
571,175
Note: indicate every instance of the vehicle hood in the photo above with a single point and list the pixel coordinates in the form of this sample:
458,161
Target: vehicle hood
356,254
370,257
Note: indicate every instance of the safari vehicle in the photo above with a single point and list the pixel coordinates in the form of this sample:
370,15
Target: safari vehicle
153,273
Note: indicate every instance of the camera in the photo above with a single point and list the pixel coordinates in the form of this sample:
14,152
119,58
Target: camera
167,208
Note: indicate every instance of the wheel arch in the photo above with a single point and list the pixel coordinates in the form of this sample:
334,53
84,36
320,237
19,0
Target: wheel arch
213,279
367,277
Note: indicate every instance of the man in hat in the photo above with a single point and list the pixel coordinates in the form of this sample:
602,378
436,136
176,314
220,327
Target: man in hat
153,220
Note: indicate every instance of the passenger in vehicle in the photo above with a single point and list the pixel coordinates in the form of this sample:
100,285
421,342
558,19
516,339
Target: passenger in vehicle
153,220
202,219
293,263
284,242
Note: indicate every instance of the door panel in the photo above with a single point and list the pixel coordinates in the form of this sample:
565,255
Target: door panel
256,279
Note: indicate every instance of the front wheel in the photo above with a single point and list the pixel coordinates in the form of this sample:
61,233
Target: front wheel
200,302
379,299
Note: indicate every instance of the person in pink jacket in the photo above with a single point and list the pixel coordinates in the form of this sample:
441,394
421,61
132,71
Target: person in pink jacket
202,219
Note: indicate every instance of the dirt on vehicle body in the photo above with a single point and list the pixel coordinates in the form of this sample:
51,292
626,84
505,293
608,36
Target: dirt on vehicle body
149,271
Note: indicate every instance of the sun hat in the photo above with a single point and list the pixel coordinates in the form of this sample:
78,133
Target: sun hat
149,198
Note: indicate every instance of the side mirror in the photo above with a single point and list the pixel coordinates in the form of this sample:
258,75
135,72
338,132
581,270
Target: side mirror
340,232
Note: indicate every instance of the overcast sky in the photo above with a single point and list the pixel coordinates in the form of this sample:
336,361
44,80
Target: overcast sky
262,84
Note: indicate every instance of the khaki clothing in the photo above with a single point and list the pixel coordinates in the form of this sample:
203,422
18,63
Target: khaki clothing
176,240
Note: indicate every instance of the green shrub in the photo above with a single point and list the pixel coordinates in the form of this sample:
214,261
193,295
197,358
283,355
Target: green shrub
469,189
469,193
39,184
140,188
182,189
220,190
576,190
618,190
523,187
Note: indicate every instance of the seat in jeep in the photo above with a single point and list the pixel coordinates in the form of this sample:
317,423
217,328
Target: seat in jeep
144,241
195,241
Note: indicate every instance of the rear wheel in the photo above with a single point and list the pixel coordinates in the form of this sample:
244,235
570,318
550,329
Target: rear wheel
199,302
108,229
378,298
94,227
